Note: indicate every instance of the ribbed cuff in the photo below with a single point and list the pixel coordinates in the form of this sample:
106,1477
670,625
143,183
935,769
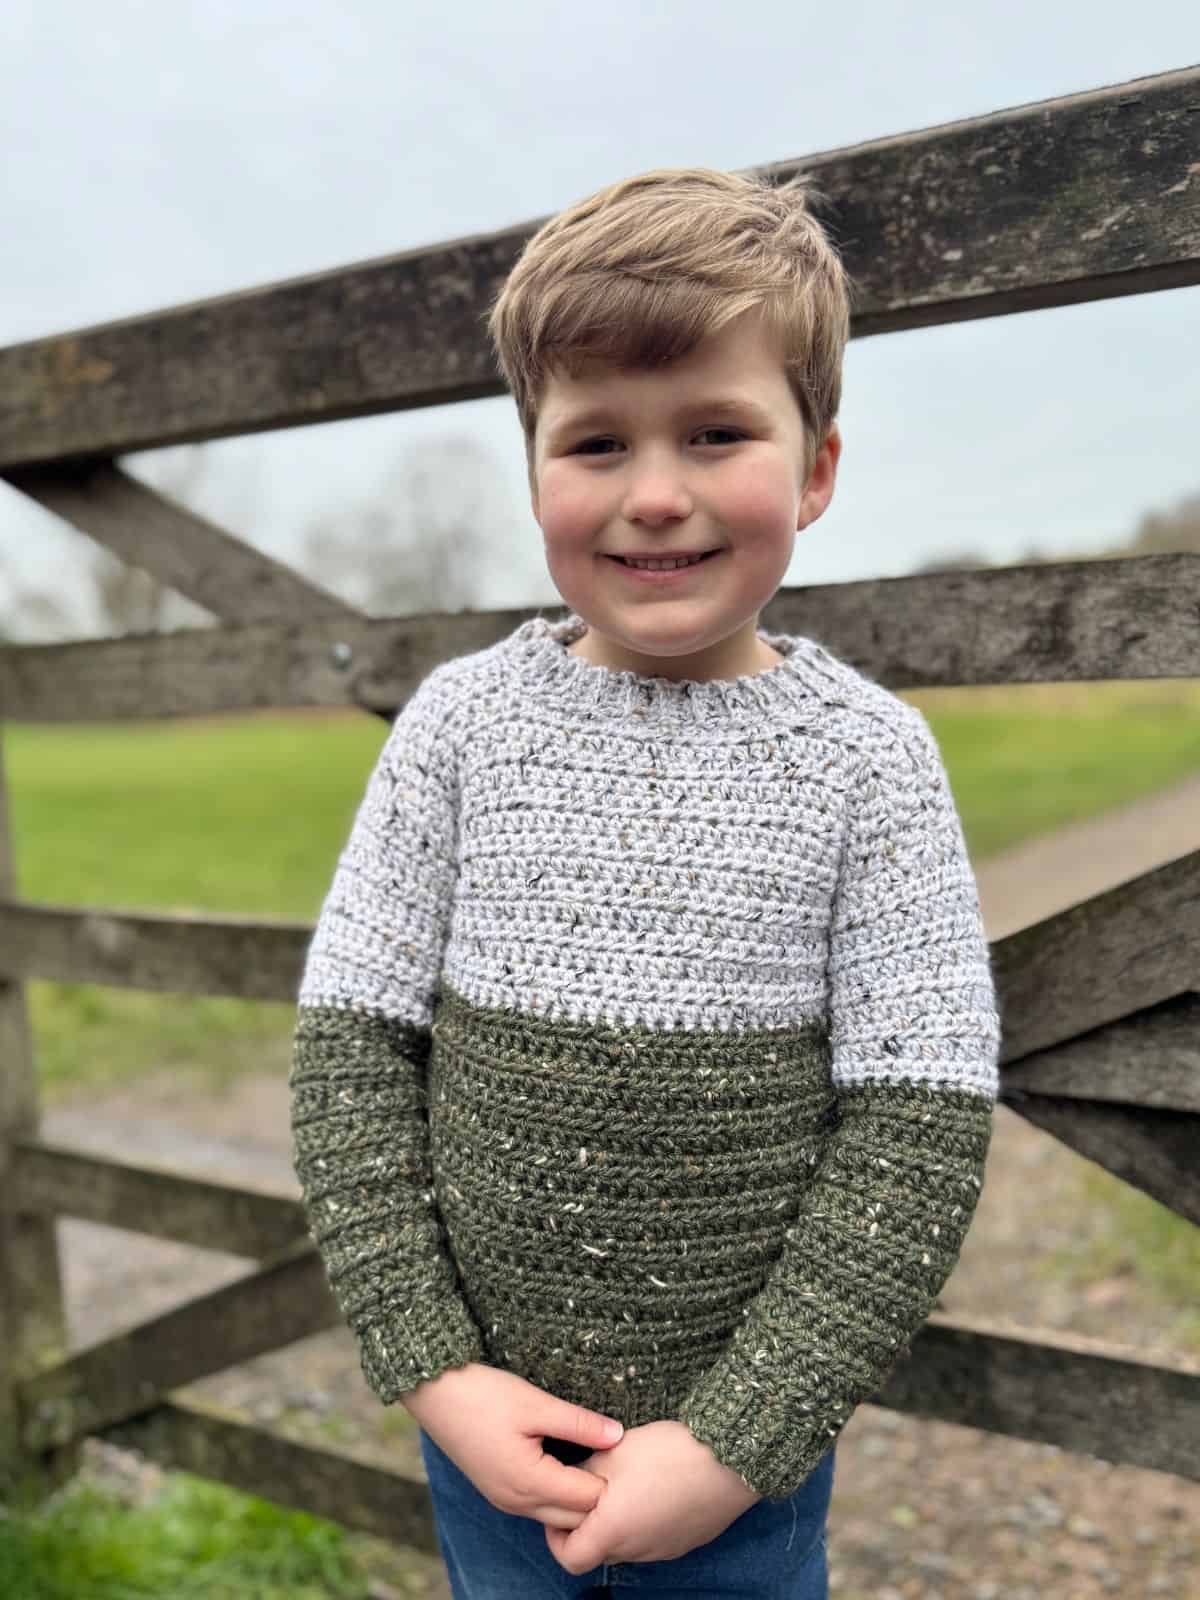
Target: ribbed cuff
771,1446
396,1357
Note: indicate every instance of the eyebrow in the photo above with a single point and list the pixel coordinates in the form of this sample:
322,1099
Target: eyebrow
572,422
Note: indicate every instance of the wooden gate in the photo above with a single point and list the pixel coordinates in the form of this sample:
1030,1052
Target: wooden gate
1076,199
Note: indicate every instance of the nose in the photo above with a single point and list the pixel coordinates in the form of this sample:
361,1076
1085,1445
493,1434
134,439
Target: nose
656,491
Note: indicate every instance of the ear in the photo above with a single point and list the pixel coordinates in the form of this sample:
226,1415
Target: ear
818,491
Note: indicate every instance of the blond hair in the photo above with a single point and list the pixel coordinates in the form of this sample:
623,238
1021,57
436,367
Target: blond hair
643,270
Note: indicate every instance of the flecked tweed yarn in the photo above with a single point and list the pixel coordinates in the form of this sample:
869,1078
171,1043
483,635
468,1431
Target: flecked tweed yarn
647,1042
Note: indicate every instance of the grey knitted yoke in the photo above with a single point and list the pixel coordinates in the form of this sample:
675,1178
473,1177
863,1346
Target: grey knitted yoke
647,1043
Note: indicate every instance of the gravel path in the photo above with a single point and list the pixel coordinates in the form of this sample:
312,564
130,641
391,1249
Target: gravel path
921,1510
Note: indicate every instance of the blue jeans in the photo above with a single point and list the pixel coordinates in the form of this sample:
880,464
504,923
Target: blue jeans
770,1552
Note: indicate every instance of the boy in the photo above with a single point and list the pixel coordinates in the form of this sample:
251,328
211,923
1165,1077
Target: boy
647,1044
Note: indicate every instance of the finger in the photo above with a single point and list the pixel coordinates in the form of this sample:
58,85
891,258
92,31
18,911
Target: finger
558,1518
562,1419
571,1551
570,1487
583,1548
555,1540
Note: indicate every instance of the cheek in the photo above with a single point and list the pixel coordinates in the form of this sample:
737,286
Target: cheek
569,504
762,501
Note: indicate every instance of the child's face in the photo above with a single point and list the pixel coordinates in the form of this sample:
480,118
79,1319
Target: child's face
707,454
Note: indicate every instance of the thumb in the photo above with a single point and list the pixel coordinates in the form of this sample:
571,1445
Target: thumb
578,1425
580,1549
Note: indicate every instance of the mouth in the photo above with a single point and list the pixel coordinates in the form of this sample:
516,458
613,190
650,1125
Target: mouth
676,568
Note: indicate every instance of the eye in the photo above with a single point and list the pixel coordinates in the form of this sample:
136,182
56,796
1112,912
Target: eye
726,435
593,447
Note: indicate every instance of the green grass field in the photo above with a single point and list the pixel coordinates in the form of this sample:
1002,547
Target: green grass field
245,815
248,815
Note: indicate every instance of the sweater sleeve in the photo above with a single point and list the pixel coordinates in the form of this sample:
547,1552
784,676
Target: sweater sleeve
914,1036
359,1094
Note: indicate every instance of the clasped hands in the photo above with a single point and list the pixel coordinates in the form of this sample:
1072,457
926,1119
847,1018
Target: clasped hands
665,1494
652,1496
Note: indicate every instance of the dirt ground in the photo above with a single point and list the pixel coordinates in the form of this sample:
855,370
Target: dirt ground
921,1510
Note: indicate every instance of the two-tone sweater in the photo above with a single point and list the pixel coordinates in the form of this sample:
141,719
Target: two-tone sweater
647,1043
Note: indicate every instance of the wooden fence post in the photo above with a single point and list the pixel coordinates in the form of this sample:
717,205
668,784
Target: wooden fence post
33,1332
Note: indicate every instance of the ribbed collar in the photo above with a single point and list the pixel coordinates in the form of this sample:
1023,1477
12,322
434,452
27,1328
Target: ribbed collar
538,649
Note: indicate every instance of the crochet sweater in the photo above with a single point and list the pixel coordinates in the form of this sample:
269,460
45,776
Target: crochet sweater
647,1042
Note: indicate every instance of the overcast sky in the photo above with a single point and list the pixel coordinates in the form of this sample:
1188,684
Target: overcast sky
156,153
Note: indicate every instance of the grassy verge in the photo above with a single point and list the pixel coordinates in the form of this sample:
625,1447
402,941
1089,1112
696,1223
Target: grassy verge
1141,1241
194,1540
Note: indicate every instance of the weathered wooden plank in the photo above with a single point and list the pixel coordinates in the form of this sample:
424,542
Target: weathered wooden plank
1149,1059
33,1330
254,958
1086,620
55,1181
285,1300
1079,1394
379,336
1086,197
1117,953
1070,621
1060,1389
196,671
935,226
189,1434
191,555
1155,1151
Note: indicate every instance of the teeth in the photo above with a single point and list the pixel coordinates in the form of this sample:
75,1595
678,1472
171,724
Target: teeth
662,566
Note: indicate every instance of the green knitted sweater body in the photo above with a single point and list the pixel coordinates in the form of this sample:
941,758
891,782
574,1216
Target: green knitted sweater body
647,1042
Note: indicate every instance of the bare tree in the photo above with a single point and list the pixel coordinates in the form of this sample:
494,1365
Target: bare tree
961,563
130,600
116,597
1177,529
414,546
30,612
1166,532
